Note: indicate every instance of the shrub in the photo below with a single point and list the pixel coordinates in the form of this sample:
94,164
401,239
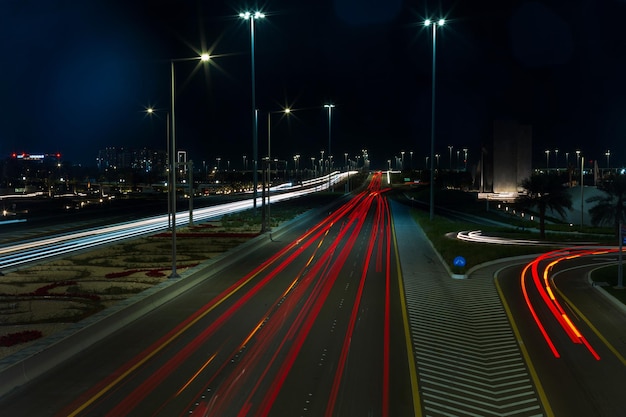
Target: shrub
20,337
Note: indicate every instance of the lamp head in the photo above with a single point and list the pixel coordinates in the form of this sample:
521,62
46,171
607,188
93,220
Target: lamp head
439,22
248,15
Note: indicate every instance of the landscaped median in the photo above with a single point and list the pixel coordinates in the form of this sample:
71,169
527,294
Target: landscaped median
42,300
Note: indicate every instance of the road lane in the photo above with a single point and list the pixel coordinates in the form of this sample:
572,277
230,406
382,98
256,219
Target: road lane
575,381
314,317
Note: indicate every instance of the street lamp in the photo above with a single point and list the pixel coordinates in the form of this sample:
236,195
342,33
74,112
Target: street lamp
151,111
465,158
556,160
173,163
608,155
547,159
255,152
285,111
434,26
450,149
577,158
330,108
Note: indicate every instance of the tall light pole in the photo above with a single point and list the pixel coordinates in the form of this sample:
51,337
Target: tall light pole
173,156
465,158
547,159
151,111
608,155
285,111
330,108
556,160
434,26
450,149
255,151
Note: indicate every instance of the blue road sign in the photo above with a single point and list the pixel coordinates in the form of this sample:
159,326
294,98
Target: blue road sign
459,261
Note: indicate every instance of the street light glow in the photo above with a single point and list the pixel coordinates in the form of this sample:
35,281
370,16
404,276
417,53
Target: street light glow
205,57
248,15
429,22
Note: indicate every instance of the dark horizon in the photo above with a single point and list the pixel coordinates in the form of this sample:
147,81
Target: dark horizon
82,75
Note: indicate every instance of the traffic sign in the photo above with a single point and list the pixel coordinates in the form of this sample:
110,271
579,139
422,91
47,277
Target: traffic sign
459,261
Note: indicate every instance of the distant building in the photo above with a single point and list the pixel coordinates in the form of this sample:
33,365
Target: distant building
145,160
507,160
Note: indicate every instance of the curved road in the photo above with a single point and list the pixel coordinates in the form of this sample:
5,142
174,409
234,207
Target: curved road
573,334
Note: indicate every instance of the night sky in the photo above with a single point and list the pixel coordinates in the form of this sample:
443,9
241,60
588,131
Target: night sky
76,77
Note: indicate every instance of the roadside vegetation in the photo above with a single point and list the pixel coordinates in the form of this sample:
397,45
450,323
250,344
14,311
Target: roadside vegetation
442,229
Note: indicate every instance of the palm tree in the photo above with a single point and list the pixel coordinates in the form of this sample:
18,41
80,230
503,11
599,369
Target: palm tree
545,192
611,207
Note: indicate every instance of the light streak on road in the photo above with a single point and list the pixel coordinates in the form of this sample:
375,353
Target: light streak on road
477,236
536,277
268,351
12,256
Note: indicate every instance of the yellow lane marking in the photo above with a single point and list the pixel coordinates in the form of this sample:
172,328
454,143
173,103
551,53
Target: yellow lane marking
158,349
531,369
591,326
417,409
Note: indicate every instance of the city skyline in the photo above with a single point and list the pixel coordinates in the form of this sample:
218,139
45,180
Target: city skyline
98,66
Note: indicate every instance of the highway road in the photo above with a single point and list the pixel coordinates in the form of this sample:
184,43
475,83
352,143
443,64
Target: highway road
573,336
28,251
310,324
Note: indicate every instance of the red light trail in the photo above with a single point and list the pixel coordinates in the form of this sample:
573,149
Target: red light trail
272,345
540,282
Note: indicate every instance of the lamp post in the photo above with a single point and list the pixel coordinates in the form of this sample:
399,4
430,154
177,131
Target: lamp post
608,155
434,25
285,111
255,152
556,160
465,158
450,149
173,162
547,160
151,111
330,108
577,158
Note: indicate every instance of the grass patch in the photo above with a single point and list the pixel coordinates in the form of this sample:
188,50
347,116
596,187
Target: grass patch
608,275
439,232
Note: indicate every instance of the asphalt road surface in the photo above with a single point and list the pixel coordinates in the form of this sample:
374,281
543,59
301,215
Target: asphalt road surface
309,325
574,336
